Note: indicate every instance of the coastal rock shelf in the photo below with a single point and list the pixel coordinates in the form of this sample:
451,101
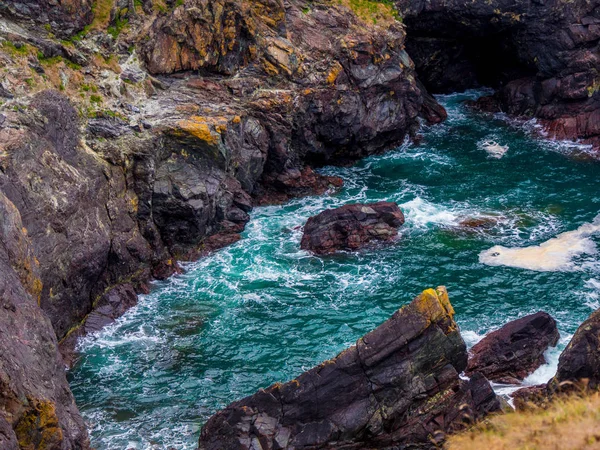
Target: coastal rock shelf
398,385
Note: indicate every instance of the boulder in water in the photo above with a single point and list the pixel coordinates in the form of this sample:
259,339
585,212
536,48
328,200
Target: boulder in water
351,227
399,385
516,350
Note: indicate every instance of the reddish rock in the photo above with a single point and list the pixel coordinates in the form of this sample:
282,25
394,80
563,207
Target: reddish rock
529,396
351,227
397,387
516,350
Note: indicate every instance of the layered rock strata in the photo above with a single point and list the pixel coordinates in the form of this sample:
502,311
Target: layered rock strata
119,164
398,386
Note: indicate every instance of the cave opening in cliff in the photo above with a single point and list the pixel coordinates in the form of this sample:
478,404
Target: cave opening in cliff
452,58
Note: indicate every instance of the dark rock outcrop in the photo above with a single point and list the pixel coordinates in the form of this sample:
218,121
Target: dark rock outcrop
398,386
514,351
64,17
121,174
542,56
580,361
351,227
37,409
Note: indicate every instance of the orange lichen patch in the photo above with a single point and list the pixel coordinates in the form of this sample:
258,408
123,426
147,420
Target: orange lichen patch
207,129
334,73
38,428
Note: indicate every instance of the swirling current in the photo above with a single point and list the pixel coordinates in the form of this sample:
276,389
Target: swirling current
262,310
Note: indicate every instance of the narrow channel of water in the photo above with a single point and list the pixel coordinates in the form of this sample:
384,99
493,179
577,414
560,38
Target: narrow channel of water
262,310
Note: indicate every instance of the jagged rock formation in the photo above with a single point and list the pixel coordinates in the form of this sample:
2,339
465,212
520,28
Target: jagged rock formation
37,409
118,166
397,386
578,367
543,56
514,351
351,227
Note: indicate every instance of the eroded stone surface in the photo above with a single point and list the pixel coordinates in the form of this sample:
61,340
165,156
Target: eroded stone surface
397,386
351,227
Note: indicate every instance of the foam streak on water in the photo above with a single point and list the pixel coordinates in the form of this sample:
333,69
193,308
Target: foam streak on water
262,310
556,254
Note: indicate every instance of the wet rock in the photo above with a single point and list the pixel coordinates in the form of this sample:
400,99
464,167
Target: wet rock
580,361
542,57
397,386
514,351
351,227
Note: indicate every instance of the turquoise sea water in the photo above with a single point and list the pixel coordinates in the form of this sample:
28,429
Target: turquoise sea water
262,310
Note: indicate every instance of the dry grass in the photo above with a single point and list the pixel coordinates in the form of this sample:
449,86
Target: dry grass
570,423
101,10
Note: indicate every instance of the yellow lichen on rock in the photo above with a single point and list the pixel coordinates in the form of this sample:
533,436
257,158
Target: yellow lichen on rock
206,129
434,304
38,428
334,73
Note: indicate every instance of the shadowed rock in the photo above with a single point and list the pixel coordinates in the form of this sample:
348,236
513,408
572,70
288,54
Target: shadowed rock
351,227
516,350
581,359
541,56
398,385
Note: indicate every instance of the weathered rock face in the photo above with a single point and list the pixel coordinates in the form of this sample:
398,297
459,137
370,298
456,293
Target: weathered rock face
122,173
351,227
514,351
37,409
581,359
543,56
65,17
324,86
397,386
219,35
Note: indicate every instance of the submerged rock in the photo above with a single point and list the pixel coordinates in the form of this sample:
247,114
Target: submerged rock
580,361
514,351
351,227
399,385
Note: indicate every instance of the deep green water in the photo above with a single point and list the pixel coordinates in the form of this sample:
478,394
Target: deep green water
262,310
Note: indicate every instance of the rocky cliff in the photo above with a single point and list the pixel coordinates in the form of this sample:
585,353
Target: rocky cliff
542,56
134,134
398,386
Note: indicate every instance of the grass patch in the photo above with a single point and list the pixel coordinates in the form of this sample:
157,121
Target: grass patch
569,423
101,10
16,49
376,12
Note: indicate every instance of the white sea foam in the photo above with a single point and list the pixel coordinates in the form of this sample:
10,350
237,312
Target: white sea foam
471,337
591,294
555,254
492,148
420,213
